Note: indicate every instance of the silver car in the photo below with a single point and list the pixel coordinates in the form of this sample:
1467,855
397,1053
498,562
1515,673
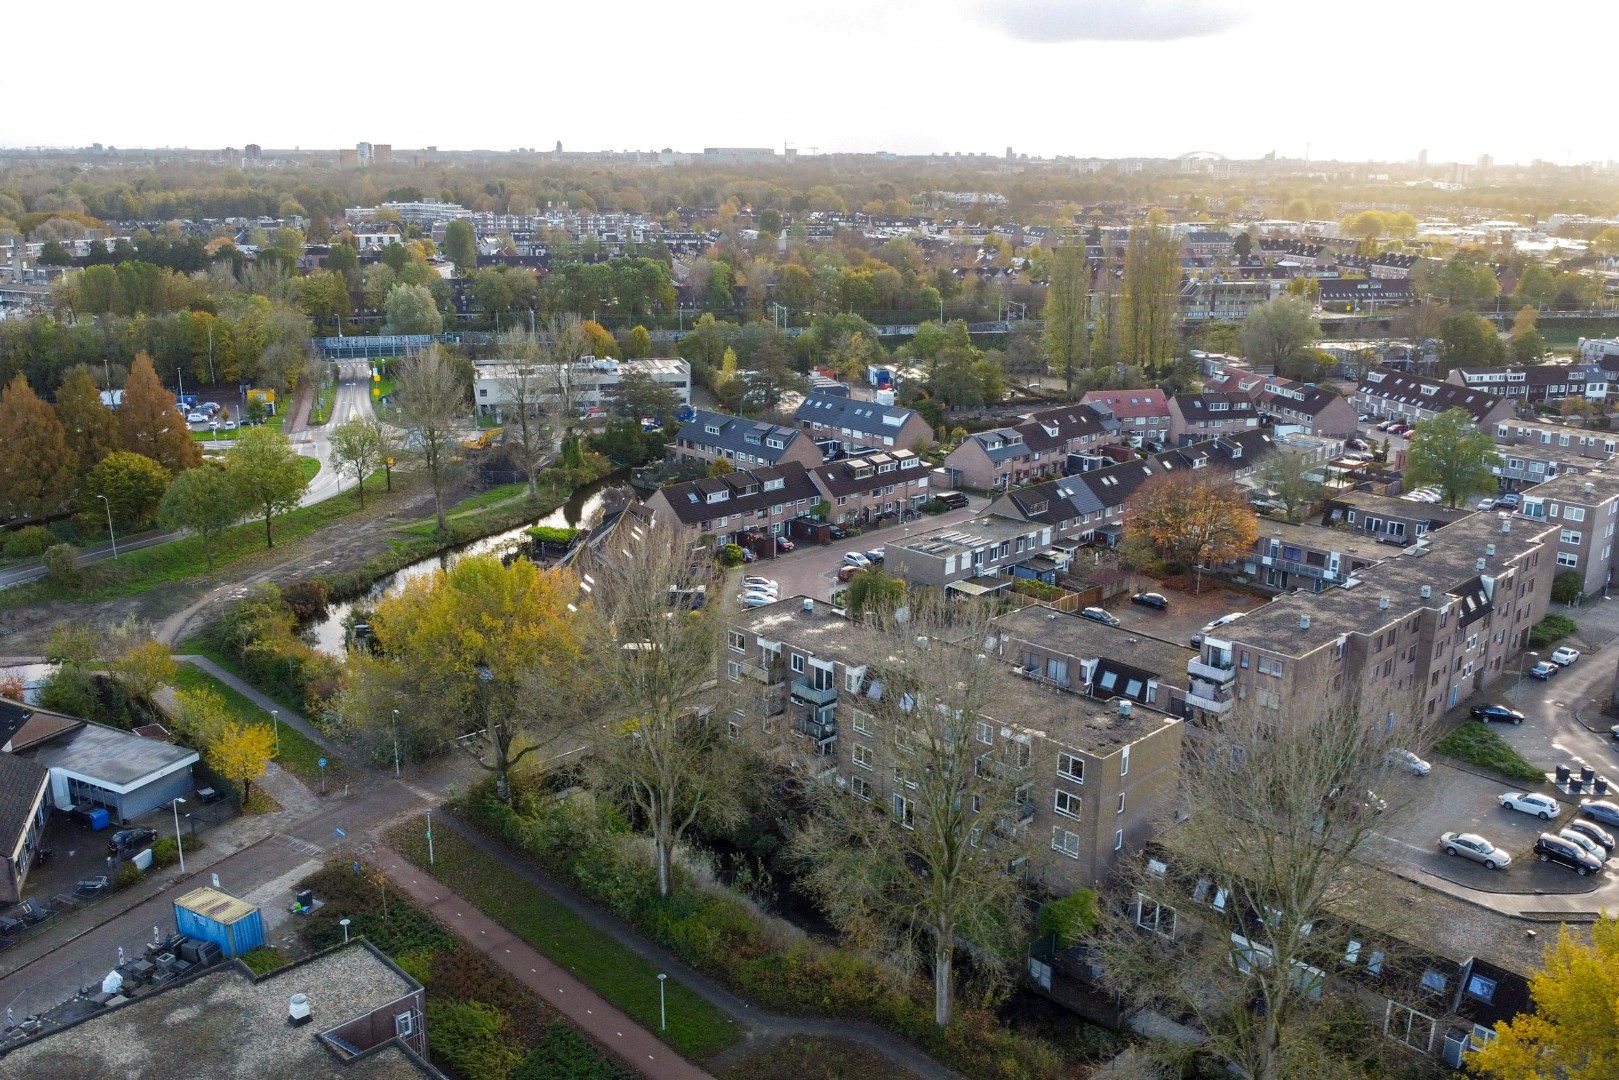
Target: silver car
1475,847
1574,836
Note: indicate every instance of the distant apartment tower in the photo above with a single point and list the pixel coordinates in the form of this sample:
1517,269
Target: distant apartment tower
738,155
362,153
253,152
382,154
348,159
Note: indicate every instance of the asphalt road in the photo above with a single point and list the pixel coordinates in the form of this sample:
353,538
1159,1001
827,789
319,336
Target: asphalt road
353,400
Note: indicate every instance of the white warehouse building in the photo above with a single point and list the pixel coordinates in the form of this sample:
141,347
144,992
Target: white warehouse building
590,381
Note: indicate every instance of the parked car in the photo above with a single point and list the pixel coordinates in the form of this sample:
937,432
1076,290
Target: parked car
836,532
1511,498
1486,504
1593,830
1549,848
760,583
1543,670
206,795
1601,810
10,927
1543,807
1356,444
1475,847
125,839
1151,599
1408,761
876,555
1594,849
784,544
755,600
845,573
1565,656
1496,712
197,417
954,500
856,558
1101,615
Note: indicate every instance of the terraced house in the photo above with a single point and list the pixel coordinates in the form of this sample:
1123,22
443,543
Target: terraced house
1034,449
710,436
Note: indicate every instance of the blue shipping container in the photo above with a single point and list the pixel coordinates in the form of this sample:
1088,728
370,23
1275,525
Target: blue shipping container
211,915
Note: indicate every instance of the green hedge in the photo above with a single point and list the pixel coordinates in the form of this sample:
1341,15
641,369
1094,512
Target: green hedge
1552,628
721,937
1476,744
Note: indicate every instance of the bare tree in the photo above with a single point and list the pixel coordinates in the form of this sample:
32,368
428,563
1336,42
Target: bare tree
565,343
654,668
526,391
928,869
432,404
1281,809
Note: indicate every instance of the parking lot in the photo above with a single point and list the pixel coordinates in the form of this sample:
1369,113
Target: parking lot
1187,613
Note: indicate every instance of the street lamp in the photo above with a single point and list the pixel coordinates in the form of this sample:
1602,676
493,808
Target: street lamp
344,923
663,1013
396,744
1517,690
110,535
275,721
178,843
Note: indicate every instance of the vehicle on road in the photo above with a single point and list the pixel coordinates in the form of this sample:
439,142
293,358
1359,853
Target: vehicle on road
1101,615
784,544
1543,807
1151,599
1592,848
207,795
1601,810
1486,504
1511,498
1496,712
1592,830
847,573
877,555
1408,761
856,558
1543,670
124,839
1473,846
1565,656
1555,849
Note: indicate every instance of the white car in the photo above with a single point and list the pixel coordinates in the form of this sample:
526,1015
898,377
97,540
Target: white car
1475,847
1486,504
198,417
856,558
750,599
1408,761
760,583
1565,656
1542,806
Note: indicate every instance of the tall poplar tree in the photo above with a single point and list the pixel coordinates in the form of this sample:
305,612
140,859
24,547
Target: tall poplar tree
38,471
1067,311
1152,277
151,424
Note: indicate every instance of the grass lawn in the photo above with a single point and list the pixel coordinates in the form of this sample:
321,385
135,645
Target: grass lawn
137,571
1476,744
696,1028
809,1057
310,465
299,755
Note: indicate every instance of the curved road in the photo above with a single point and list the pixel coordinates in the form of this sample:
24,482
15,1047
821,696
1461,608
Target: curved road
353,400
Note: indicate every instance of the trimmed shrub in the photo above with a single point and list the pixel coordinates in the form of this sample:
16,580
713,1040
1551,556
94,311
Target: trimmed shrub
1551,629
1070,918
467,1036
28,543
128,874
264,959
567,1055
1566,587
62,564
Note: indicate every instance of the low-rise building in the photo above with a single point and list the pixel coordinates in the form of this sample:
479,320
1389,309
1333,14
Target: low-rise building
1386,519
1397,395
1141,415
985,548
1581,513
1287,401
1036,448
1365,294
23,787
92,765
1195,417
872,487
759,502
859,425
710,436
1221,300
1306,557
590,384
1540,383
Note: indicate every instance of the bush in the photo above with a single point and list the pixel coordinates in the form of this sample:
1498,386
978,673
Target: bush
1070,918
1566,587
1037,589
62,564
546,534
1551,629
1476,744
165,852
28,543
467,1036
567,1055
307,600
730,555
128,874
264,959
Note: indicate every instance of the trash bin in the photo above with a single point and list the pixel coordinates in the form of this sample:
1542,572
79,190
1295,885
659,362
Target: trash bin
99,819
1599,786
1575,785
1587,774
1562,775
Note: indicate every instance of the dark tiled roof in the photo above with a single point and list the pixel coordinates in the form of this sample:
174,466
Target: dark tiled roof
690,504
739,434
862,416
1366,289
1198,404
1049,429
851,475
1424,393
20,781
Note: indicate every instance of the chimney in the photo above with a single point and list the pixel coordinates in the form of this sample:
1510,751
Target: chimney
1427,591
1304,622
1124,708
1383,602
298,1011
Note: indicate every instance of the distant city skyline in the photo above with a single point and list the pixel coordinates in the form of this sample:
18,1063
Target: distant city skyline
1083,78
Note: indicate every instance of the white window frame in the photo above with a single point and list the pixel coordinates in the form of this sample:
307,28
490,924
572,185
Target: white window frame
404,1024
1152,916
737,641
1399,1027
862,756
1066,803
1065,841
733,670
986,733
860,788
904,811
798,663
863,722
1067,763
1124,762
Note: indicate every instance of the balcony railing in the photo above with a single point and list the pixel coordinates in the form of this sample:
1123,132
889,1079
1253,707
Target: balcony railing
770,676
804,690
1202,696
819,730
1218,673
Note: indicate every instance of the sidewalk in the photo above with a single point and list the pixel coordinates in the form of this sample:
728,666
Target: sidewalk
585,1009
263,701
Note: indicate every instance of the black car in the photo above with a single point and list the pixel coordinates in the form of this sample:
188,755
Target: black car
1488,713
9,926
1101,615
954,500
210,795
1601,810
1591,831
1151,599
1549,848
127,839
835,532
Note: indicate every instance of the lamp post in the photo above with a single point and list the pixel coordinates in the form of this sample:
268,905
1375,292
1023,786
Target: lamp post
110,535
396,744
275,721
344,923
1517,690
178,843
663,1012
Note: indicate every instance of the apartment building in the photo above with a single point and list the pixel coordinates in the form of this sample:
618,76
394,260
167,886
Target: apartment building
752,502
710,436
1221,300
1094,775
1195,417
1398,395
1418,631
1580,513
590,384
1364,294
1386,519
862,424
1287,401
1306,557
870,487
1038,447
1541,383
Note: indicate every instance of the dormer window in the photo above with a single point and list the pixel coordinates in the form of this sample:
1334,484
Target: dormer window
718,496
711,429
775,443
775,485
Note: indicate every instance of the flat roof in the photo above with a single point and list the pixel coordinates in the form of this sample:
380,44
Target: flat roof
225,1026
219,906
1357,542
113,757
1078,636
966,536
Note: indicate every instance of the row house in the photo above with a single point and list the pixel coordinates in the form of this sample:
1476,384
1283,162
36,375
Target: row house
872,487
1581,512
1541,383
1195,417
1210,244
729,508
1142,416
711,436
1365,294
1397,395
1386,519
1304,253
860,425
1421,630
1093,776
1039,447
1287,401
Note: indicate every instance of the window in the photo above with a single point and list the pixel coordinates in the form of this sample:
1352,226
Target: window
1480,987
986,733
1064,841
1121,803
1435,981
1569,536
1066,803
904,811
1408,1027
1022,753
738,642
1482,1036
1247,955
733,670
1567,558
1154,917
862,722
1352,953
404,1024
860,787
1070,766
1118,840
1573,513
851,681
862,756
798,664
1124,765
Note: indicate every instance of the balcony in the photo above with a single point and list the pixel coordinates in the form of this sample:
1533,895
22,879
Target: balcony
804,690
1219,672
822,731
1208,697
770,676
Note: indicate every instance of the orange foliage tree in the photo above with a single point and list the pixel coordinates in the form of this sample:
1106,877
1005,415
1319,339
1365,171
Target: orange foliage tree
1190,522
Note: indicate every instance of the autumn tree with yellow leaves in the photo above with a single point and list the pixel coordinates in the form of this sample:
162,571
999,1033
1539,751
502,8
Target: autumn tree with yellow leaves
1189,522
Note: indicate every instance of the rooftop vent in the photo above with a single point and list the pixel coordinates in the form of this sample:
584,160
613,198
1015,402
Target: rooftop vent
1479,565
298,1011
1383,603
1506,523
1590,488
1489,551
809,604
1427,591
1124,707
1304,622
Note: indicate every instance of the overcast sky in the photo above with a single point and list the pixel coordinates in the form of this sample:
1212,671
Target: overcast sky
1110,78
